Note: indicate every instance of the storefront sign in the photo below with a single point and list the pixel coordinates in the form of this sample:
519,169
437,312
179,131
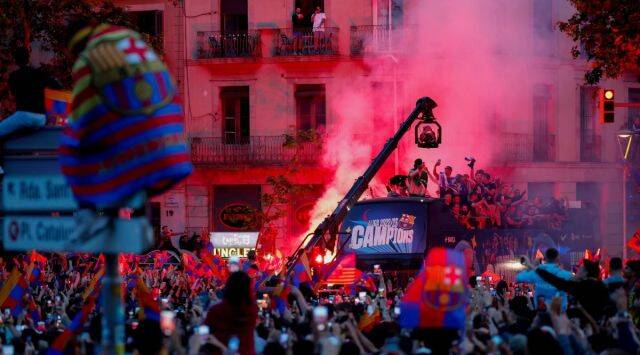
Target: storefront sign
239,216
228,244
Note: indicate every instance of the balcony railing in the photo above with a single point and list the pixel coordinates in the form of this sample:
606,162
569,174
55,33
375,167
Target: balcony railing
302,42
517,147
376,39
216,44
256,150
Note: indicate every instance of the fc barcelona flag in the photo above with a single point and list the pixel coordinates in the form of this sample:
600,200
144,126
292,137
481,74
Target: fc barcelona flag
436,299
57,105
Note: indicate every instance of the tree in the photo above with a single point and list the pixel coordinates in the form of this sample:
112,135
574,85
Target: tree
281,189
607,33
274,204
41,24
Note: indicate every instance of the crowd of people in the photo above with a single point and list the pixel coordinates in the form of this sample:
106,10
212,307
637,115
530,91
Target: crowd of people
243,308
479,200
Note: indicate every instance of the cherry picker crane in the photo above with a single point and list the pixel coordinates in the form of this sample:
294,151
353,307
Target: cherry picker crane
425,137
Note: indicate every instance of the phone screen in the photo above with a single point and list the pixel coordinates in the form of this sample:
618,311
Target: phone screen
320,314
167,322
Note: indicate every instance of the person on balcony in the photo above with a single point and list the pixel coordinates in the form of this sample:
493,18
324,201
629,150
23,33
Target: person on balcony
319,19
299,25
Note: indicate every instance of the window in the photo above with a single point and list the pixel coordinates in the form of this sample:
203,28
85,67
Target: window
542,18
543,140
543,40
589,194
543,190
235,113
382,9
308,7
150,25
310,107
234,16
589,138
634,112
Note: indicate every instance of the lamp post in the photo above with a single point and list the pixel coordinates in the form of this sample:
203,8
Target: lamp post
625,139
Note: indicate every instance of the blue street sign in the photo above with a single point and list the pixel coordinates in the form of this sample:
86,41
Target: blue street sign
54,234
37,193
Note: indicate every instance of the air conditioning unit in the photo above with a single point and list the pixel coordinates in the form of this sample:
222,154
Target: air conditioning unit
575,204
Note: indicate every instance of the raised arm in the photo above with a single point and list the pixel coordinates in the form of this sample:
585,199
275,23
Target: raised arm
559,283
435,168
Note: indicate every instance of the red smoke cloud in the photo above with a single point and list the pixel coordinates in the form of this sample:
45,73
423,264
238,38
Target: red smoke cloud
473,58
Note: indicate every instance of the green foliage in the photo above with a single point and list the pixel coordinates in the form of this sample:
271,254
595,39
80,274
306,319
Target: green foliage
41,24
300,137
273,202
607,33
274,206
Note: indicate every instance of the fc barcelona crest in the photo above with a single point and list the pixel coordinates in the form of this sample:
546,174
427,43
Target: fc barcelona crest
444,287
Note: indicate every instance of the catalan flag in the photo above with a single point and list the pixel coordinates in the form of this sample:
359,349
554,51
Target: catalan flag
57,106
13,291
436,299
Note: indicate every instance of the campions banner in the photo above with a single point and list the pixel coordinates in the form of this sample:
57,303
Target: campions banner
399,228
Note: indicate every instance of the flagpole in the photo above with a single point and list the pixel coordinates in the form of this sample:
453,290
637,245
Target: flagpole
113,313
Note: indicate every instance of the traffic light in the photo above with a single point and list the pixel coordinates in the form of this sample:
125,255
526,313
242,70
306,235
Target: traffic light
607,106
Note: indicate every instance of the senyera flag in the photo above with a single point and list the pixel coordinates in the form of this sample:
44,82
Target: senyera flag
57,105
436,299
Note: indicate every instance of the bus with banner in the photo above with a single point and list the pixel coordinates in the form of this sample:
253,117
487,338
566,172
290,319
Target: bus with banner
396,234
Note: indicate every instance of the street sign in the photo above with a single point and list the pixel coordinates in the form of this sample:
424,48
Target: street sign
37,193
53,234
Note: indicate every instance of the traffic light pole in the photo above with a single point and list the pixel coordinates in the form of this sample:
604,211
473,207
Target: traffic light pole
113,313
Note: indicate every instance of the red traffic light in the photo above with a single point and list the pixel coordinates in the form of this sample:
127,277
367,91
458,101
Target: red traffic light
608,94
607,106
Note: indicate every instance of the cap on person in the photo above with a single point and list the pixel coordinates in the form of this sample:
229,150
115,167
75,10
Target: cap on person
417,163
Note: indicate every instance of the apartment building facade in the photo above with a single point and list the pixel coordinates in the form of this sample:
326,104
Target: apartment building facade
251,82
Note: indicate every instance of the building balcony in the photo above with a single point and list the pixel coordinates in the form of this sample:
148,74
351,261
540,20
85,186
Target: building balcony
254,151
373,39
305,42
216,44
519,147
